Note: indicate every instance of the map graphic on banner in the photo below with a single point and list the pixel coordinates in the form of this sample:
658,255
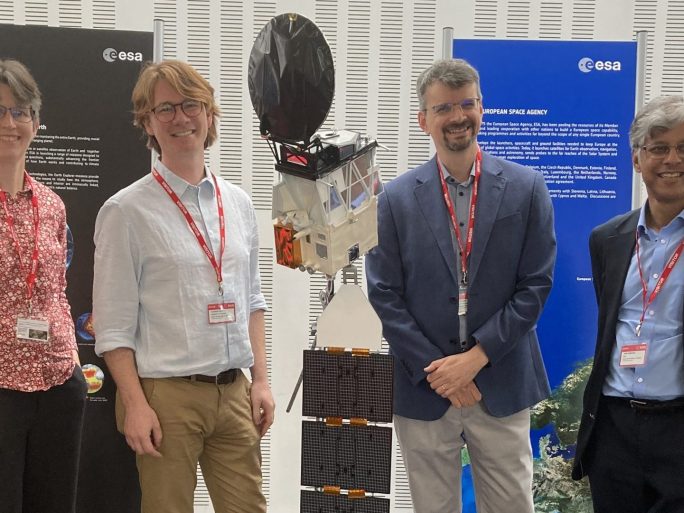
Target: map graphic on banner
563,108
86,149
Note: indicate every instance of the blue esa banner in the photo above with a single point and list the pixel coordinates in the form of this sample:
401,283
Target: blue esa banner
564,108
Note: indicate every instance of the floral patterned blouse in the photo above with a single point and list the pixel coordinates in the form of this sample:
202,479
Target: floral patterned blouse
25,365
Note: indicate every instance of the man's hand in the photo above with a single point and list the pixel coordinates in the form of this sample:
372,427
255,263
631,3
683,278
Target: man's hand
464,397
263,406
141,425
456,371
142,430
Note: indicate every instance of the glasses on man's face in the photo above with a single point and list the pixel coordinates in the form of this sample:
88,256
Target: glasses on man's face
165,112
467,105
660,151
20,114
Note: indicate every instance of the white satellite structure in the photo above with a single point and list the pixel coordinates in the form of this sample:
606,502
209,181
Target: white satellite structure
325,218
325,206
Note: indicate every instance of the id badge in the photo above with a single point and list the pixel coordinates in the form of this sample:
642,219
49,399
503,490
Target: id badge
221,313
35,330
633,355
462,300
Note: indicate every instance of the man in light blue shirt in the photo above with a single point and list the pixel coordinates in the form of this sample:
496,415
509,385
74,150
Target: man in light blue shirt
178,308
631,439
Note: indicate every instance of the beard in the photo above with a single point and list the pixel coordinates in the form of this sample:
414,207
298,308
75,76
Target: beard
462,143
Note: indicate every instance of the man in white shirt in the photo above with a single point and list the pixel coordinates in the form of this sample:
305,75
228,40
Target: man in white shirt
178,309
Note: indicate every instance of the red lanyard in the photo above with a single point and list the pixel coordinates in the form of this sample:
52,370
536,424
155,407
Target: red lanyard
193,226
659,284
465,253
33,268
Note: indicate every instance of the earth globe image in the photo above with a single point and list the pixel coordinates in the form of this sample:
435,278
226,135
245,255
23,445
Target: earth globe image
84,327
94,377
70,247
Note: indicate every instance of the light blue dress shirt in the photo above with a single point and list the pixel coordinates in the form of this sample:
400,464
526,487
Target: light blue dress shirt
153,283
662,377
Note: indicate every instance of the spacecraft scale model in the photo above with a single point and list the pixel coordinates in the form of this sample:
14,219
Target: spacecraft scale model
325,206
325,218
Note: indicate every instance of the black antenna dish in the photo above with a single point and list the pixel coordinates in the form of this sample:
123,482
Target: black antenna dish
291,79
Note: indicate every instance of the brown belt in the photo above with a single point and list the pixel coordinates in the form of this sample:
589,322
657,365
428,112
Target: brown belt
224,378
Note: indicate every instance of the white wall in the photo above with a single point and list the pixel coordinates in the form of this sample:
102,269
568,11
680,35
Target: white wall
379,47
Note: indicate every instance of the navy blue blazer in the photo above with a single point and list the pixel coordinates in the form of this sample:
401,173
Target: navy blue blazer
413,284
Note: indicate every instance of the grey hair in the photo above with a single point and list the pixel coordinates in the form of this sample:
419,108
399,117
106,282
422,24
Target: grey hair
21,83
657,116
454,73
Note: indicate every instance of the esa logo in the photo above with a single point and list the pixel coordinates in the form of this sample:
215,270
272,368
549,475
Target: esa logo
112,55
587,65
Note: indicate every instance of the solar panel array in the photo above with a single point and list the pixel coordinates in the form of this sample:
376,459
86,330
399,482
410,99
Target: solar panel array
316,502
351,457
347,386
339,453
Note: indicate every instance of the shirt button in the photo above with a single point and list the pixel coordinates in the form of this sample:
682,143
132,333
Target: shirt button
663,241
640,380
651,312
655,275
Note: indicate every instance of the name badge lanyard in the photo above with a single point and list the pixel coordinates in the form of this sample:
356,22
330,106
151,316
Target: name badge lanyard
216,265
33,266
646,302
465,252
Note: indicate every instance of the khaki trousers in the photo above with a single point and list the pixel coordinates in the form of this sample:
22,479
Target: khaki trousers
500,458
207,424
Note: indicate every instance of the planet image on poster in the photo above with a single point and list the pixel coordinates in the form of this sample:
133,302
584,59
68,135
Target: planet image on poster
94,377
70,246
84,327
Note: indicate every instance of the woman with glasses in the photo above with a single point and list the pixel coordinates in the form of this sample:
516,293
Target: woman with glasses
42,389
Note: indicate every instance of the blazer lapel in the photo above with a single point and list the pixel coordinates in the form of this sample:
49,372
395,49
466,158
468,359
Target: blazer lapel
617,250
428,194
489,197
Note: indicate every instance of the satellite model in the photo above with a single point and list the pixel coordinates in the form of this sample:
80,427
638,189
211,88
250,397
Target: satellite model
325,207
325,218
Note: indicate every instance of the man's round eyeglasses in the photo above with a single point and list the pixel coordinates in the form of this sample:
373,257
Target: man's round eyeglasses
660,151
166,112
20,114
467,105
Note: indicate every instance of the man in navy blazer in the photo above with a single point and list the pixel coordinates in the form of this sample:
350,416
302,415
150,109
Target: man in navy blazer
631,437
459,291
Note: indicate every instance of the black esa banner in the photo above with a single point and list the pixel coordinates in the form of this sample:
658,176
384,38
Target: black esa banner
86,150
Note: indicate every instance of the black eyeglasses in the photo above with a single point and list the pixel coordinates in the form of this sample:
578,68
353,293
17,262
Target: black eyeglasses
660,151
467,105
166,112
20,114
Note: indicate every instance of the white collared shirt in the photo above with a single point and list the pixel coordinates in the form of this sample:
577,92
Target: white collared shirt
153,283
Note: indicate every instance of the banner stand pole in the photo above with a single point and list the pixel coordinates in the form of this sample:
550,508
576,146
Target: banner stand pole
158,48
641,40
157,56
447,43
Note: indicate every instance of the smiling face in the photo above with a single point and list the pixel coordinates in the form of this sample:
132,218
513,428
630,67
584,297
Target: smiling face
182,137
663,177
455,131
15,137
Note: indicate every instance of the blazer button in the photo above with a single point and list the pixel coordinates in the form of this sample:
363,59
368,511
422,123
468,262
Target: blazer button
591,416
453,300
